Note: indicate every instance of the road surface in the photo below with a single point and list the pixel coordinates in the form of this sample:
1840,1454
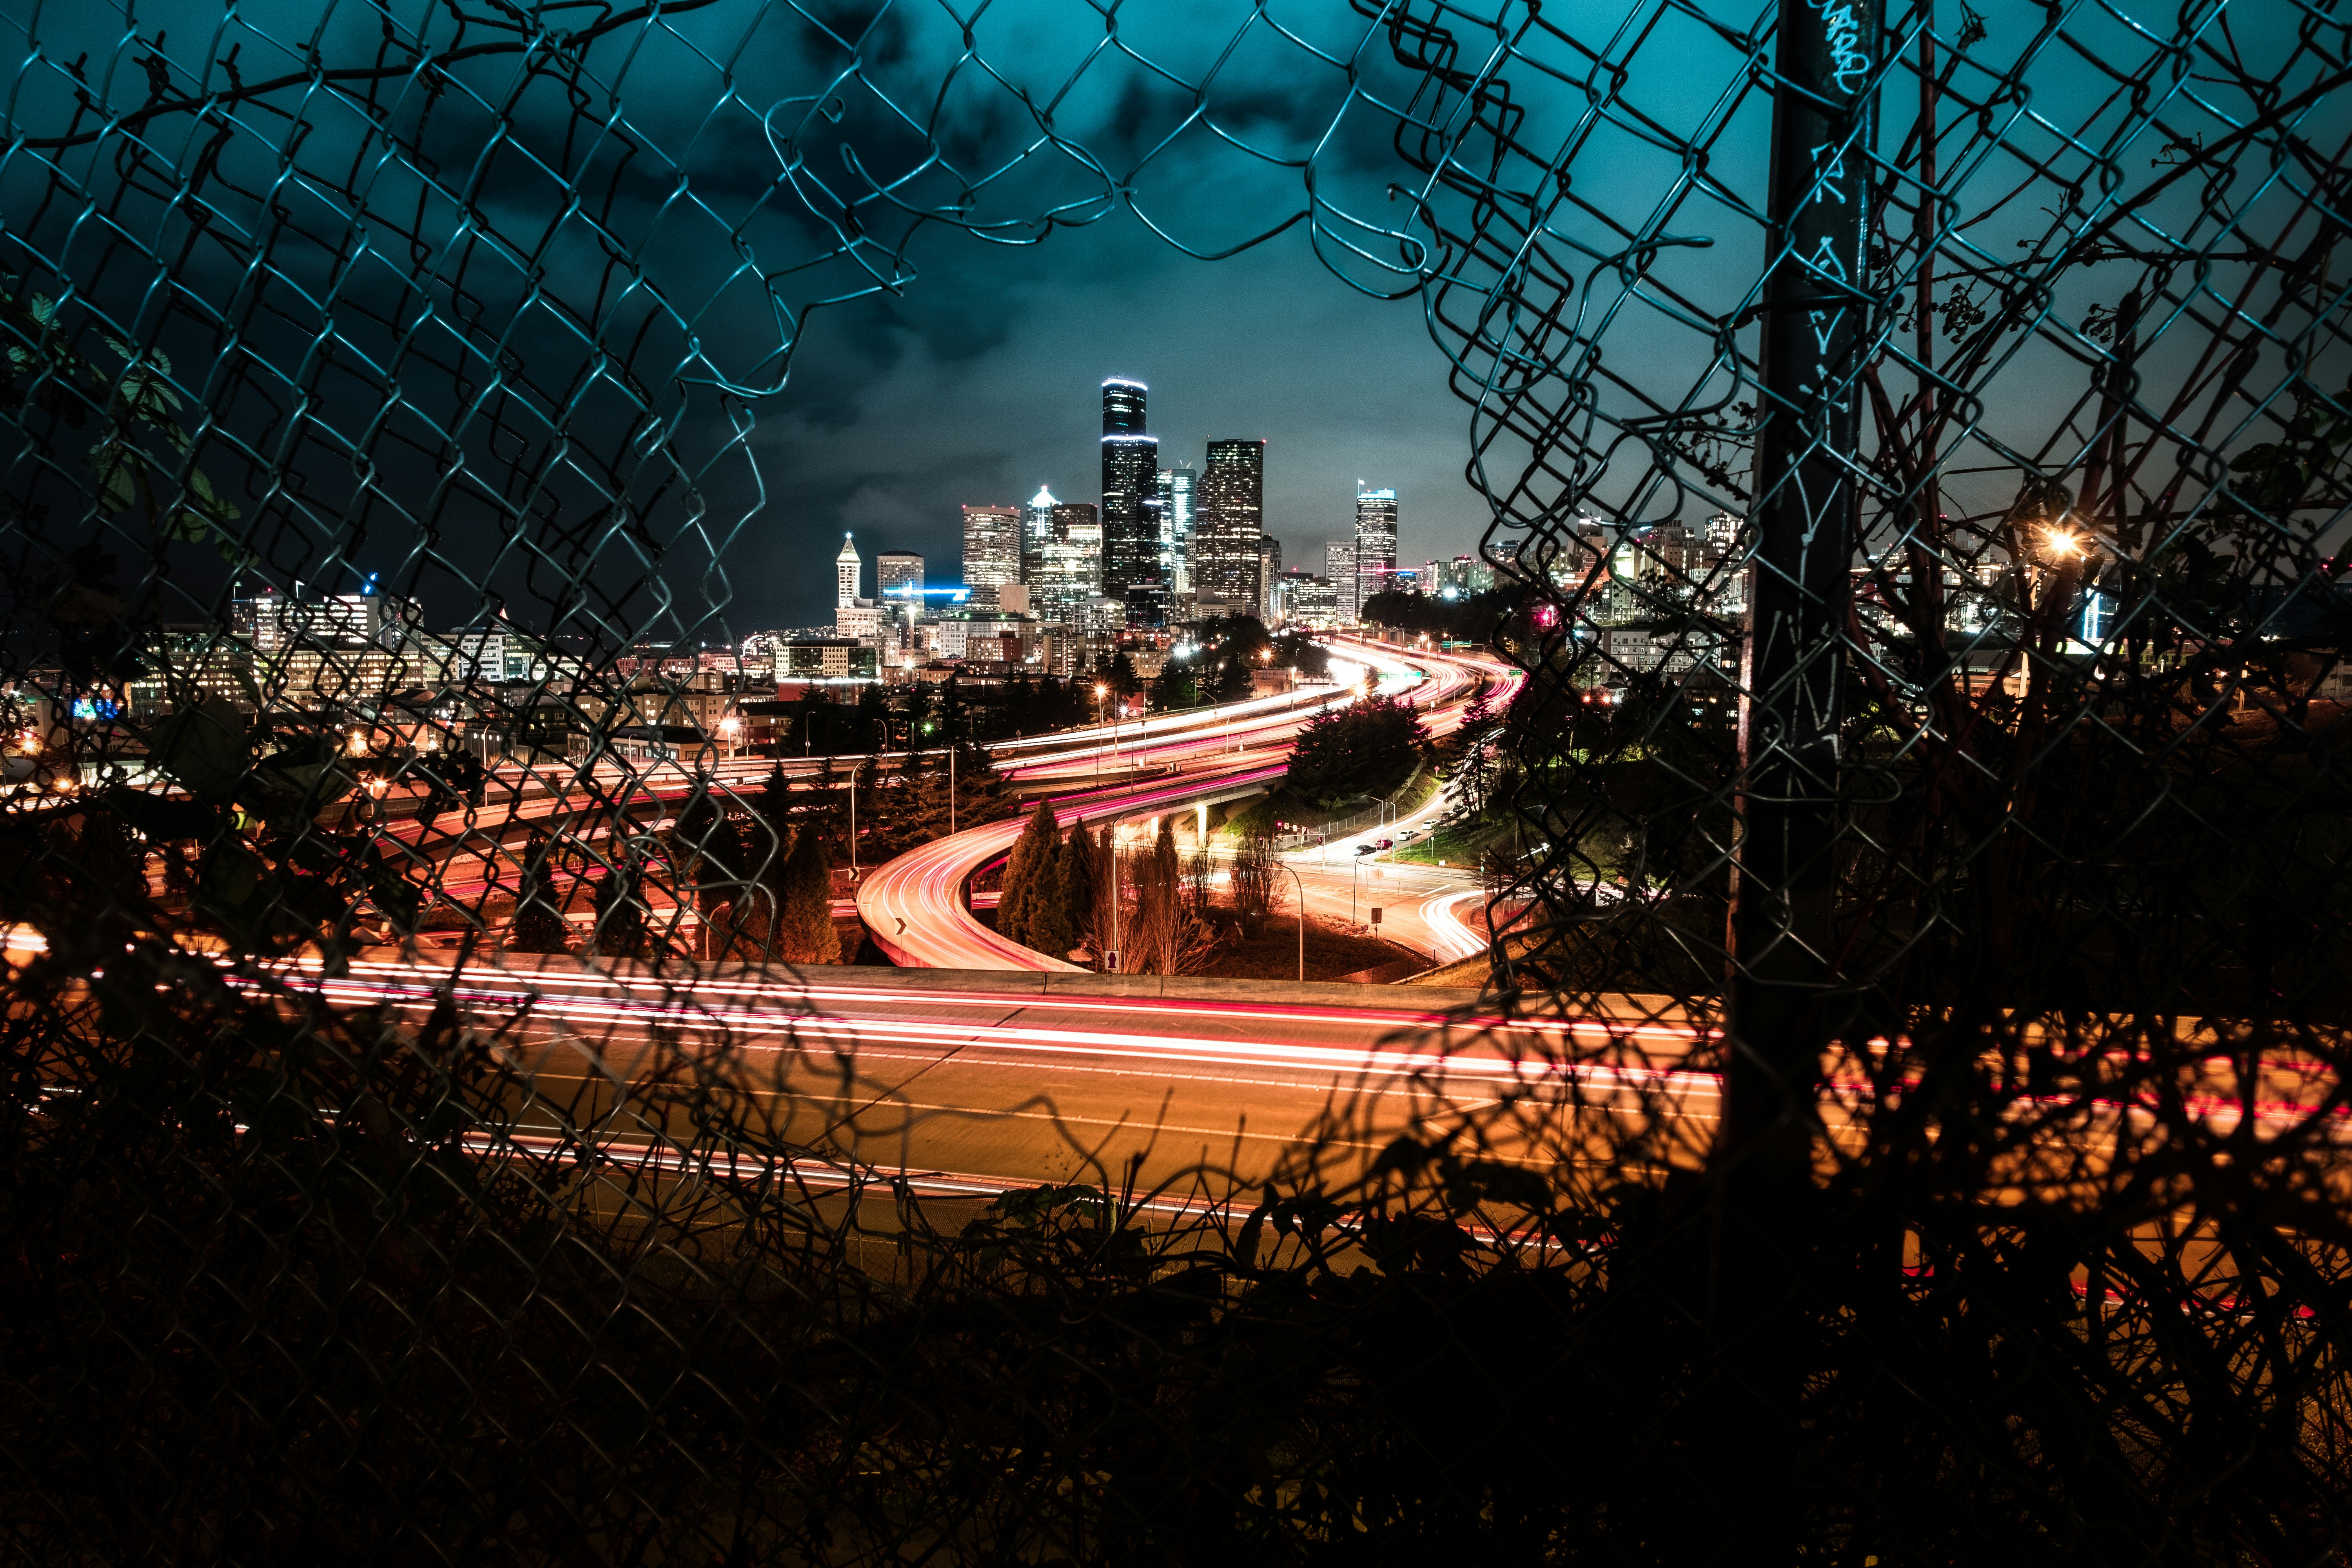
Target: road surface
914,905
983,1081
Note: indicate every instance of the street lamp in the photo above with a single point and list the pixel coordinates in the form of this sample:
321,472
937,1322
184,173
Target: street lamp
729,727
1302,917
1102,690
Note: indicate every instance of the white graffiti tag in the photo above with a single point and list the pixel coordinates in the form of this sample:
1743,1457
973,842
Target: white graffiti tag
1848,65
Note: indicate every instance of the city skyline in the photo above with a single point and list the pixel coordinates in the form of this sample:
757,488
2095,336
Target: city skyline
1145,523
1271,348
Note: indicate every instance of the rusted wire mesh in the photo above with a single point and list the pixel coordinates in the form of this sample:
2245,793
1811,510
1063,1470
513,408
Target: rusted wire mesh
1913,1129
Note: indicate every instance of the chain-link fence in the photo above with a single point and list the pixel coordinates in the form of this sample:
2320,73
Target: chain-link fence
1915,1128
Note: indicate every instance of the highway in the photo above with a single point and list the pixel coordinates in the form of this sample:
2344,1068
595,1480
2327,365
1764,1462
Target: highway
451,852
1194,1091
914,905
976,1082
550,781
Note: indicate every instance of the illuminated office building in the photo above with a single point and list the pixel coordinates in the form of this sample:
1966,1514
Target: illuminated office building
1339,568
1376,543
1133,571
1176,525
991,551
1228,525
898,574
1069,565
1036,532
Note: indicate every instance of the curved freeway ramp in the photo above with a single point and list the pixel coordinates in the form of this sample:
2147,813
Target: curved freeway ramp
914,904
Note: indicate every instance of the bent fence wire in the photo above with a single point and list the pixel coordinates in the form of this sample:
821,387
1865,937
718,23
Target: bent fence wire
1914,1127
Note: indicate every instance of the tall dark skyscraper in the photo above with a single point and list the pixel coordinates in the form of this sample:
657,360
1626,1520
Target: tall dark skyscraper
1228,519
1376,543
1133,570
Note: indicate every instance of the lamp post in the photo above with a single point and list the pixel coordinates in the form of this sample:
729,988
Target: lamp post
1302,917
1099,690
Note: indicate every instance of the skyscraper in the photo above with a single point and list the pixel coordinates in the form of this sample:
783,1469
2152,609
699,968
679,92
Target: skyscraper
1133,570
1269,569
895,572
1339,566
1123,407
1227,525
1176,525
991,550
1069,565
1376,543
847,568
1076,522
1036,532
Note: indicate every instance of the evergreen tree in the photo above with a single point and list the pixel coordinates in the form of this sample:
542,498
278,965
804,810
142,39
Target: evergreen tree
1176,686
1074,885
1118,672
1023,878
537,925
955,714
920,718
825,800
1466,763
804,921
1019,703
620,929
1109,924
706,848
910,805
1049,930
773,804
750,918
862,804
1365,748
976,785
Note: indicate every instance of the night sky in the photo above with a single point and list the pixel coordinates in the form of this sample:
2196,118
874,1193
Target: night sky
898,415
623,344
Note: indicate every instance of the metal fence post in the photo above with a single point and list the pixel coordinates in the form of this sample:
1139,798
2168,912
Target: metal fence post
1815,321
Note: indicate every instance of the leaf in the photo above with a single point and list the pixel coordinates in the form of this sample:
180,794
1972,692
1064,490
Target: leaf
204,749
111,464
163,817
231,877
223,511
1404,1154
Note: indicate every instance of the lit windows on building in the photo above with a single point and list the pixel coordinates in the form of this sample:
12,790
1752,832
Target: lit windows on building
1228,525
1375,542
848,569
991,550
1340,569
1176,501
1133,569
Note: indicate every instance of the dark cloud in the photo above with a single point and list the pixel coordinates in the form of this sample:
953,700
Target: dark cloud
888,427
